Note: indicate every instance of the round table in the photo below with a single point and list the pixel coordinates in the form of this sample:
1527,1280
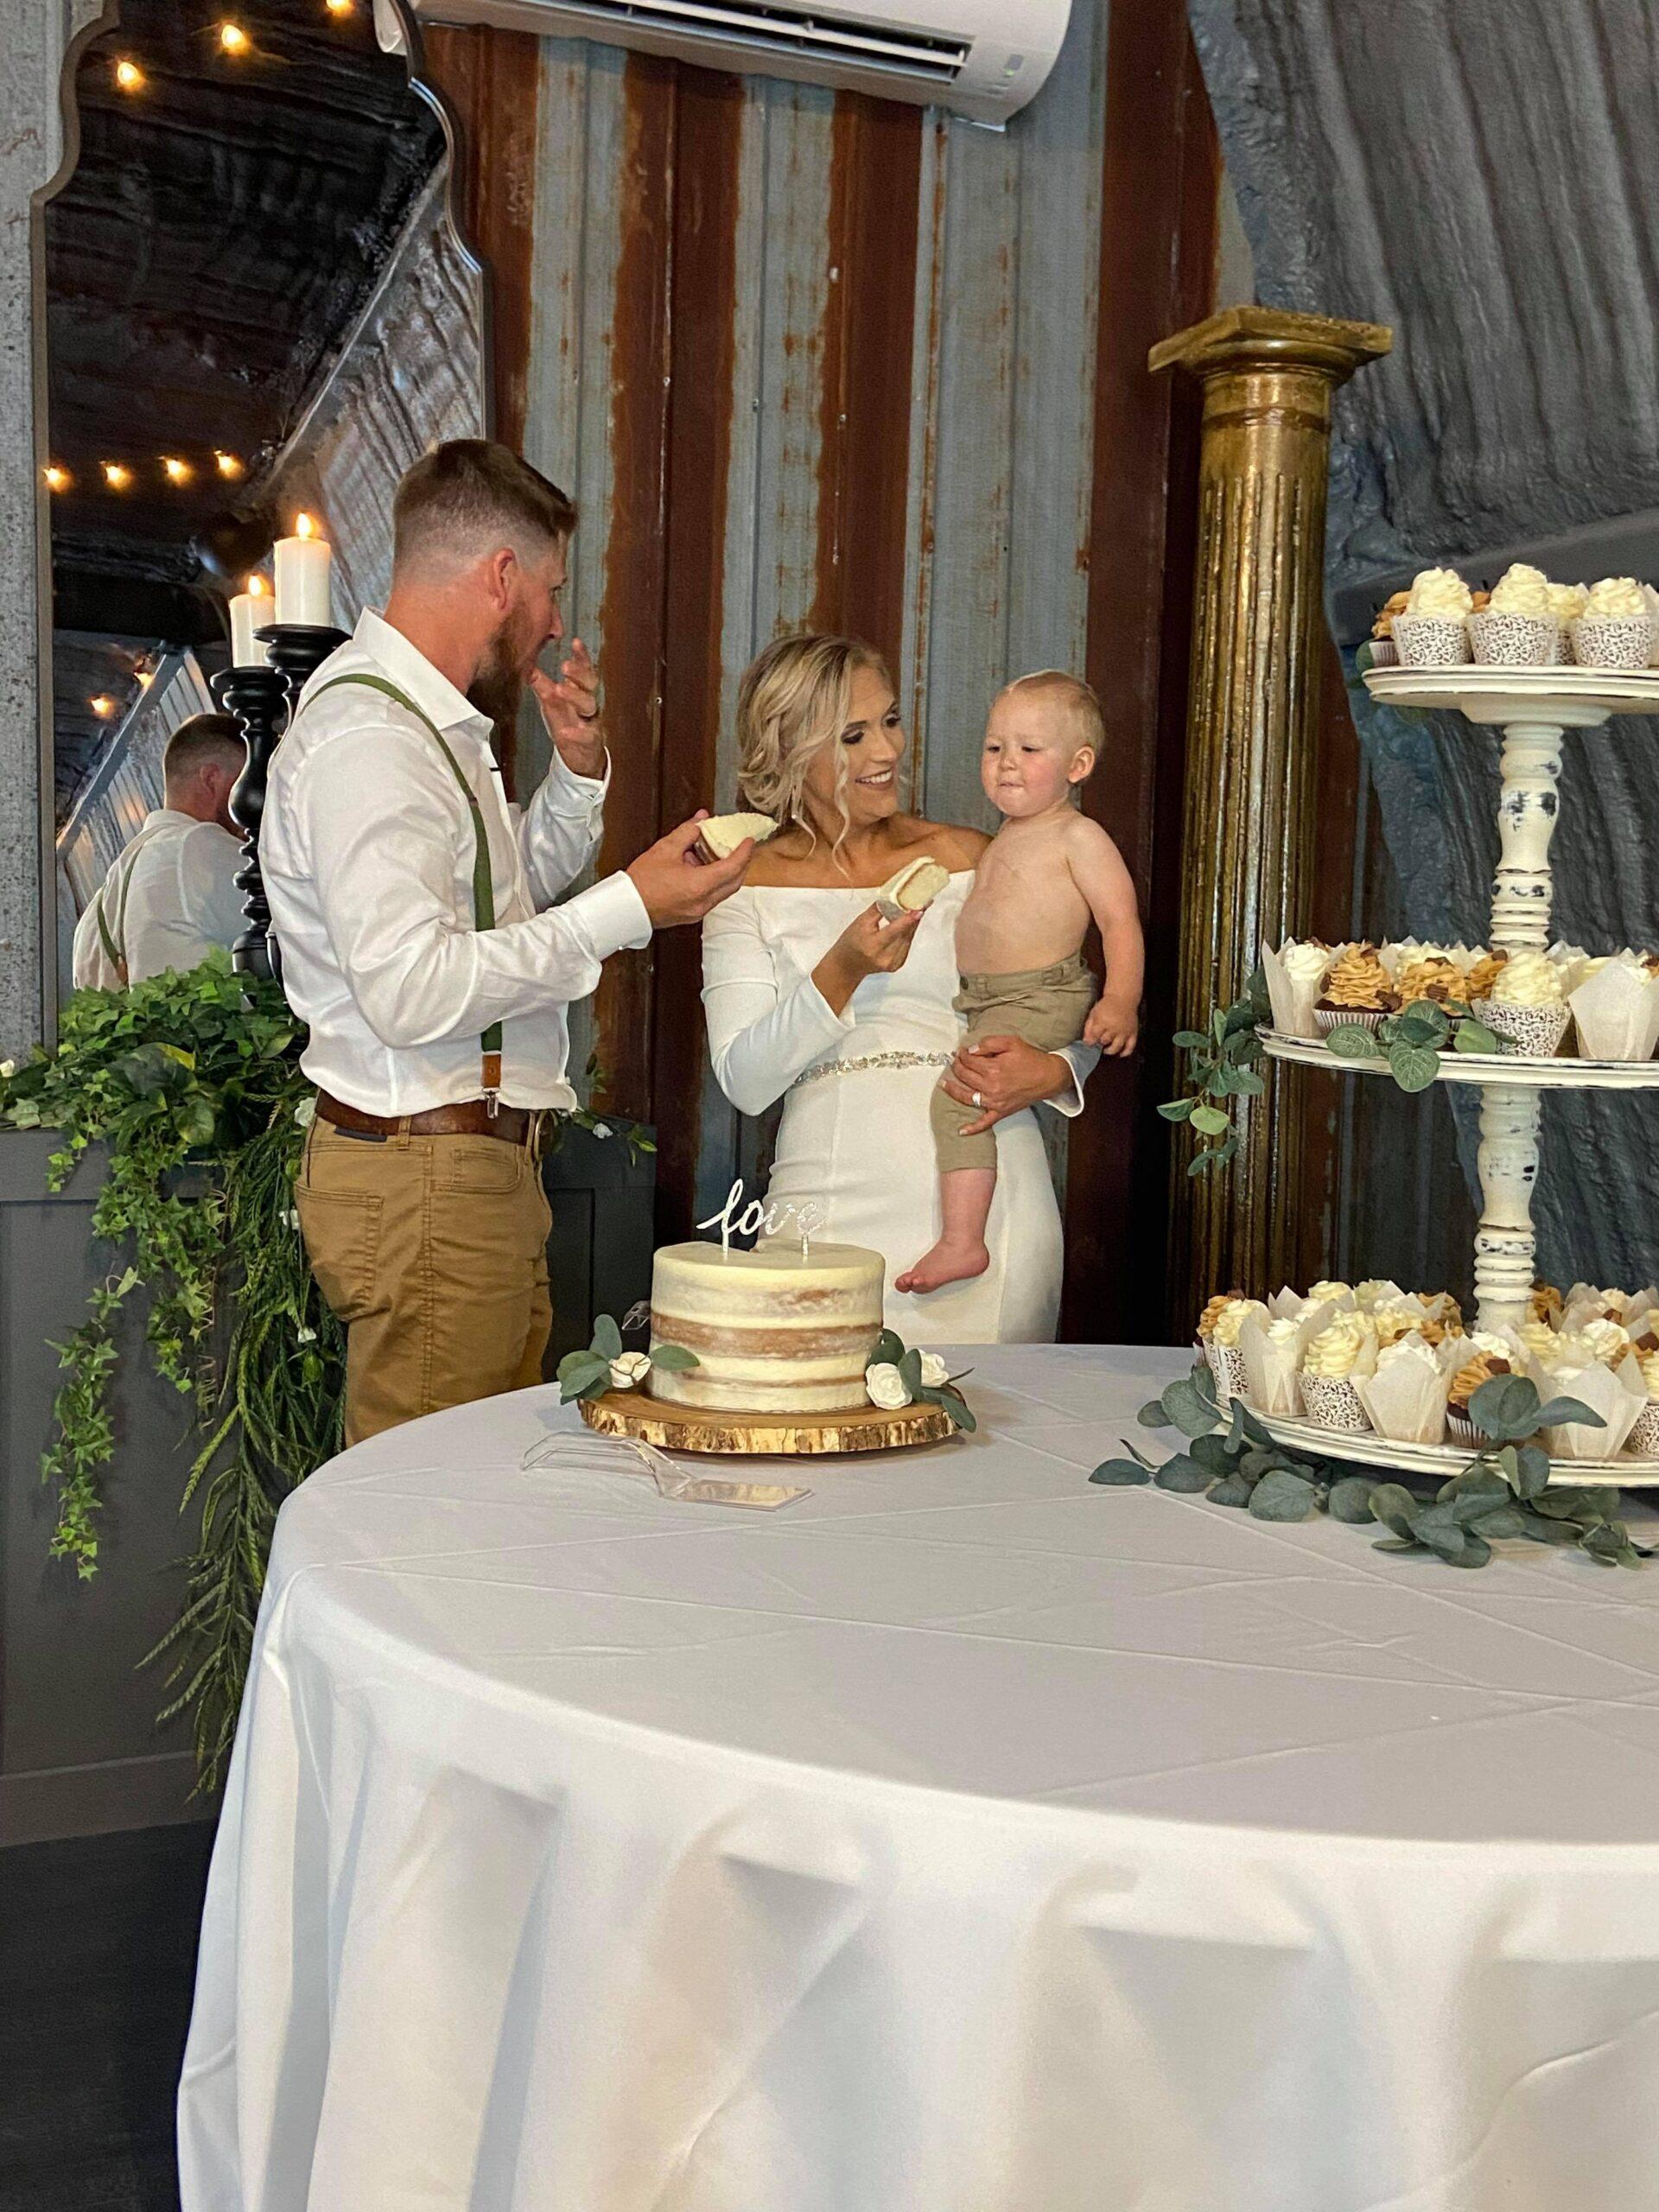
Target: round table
958,1838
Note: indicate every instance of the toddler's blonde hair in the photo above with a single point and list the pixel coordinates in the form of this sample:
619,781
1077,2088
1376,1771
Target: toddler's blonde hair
794,701
1076,700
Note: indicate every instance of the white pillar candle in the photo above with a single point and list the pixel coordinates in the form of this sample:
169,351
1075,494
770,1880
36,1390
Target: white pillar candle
250,610
302,565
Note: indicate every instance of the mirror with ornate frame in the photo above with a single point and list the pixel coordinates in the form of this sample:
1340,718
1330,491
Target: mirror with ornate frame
256,303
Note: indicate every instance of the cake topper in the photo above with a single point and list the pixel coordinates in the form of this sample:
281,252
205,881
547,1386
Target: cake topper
758,1216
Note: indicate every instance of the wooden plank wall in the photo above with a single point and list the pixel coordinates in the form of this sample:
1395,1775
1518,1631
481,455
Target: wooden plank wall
810,358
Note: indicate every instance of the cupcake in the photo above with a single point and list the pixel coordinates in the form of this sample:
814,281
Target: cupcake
1385,653
1615,630
1484,971
1431,630
1567,604
1546,1300
1644,1436
1606,1340
1527,1005
1329,1292
1517,629
1431,976
1468,1379
1328,1393
1221,1345
1356,989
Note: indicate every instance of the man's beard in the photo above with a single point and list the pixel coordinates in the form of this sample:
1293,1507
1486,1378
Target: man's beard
497,689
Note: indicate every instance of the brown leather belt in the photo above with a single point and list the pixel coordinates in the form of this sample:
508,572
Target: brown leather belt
471,1117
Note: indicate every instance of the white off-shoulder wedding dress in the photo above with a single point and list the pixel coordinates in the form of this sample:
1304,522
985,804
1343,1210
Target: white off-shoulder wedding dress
855,1086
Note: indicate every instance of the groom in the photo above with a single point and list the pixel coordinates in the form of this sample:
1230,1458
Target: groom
420,943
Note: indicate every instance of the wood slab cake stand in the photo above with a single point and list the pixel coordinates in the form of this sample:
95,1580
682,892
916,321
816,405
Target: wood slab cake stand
741,1435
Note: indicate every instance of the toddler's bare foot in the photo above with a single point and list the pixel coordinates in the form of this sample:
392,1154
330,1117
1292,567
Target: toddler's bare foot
953,1259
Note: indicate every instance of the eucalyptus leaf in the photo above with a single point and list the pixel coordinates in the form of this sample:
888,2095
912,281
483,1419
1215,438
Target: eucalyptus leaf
1203,1382
1151,1414
675,1358
1394,1505
1532,1469
1186,1408
583,1364
1240,1015
1506,1409
1178,1109
1232,1490
1120,1474
1211,1453
607,1338
889,1351
1210,1119
910,1372
1192,1040
1180,1473
1249,1083
1350,1498
1563,1413
1500,1521
1282,1496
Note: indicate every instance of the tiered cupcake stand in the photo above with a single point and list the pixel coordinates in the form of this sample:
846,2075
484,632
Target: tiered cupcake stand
1534,706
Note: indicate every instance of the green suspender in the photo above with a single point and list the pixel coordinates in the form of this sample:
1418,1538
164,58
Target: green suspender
483,888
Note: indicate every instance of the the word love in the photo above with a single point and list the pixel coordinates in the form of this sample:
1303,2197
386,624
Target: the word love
735,1217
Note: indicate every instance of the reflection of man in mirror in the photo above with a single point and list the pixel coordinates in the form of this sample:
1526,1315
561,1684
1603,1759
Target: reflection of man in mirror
419,942
169,897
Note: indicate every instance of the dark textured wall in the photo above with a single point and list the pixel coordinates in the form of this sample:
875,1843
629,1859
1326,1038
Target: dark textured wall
1485,180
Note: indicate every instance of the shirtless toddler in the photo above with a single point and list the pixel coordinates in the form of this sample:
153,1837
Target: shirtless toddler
1020,936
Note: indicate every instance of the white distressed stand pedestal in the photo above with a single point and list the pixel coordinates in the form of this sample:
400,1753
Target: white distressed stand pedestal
1534,707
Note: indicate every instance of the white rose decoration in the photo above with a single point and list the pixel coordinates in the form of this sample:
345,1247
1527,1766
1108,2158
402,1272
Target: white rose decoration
629,1369
885,1386
935,1372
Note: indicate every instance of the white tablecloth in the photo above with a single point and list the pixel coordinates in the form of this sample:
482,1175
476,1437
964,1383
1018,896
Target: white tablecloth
959,1838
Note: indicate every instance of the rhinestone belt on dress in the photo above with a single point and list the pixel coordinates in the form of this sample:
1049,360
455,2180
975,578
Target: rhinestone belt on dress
874,1060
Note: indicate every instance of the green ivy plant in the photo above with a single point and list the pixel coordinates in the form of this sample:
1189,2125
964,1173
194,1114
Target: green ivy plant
193,1082
1505,1490
1411,1042
1221,1067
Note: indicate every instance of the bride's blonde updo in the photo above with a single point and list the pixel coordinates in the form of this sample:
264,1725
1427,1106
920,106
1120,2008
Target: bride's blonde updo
794,701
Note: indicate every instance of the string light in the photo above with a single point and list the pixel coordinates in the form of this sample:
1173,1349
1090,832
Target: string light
233,40
226,463
178,472
116,475
340,7
103,706
58,479
129,76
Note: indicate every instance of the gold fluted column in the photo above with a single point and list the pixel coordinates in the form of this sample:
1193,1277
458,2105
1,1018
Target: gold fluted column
1252,716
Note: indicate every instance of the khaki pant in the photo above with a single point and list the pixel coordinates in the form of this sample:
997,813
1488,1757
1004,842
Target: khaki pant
433,1252
1045,1006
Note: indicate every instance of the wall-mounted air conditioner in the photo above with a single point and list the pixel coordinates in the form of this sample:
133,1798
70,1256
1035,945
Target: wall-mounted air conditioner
983,59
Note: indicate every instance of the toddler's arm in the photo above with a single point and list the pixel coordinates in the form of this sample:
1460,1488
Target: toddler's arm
1097,870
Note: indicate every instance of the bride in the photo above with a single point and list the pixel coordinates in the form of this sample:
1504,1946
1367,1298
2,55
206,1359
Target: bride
812,998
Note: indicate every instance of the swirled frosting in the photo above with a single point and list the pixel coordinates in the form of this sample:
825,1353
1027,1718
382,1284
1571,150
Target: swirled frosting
1334,1352
1305,962
1522,590
1528,979
1430,975
1567,602
1319,1292
1651,1372
1481,1368
1607,1340
1216,1306
1232,1318
1615,599
1358,981
1441,594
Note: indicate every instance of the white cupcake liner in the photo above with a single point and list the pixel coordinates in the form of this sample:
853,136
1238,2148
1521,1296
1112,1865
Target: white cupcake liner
1642,1442
1332,1402
1335,1017
1430,640
1227,1365
1536,1030
1621,641
1514,640
1564,651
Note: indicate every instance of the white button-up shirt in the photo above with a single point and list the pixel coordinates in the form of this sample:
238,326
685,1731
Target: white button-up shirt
366,851
169,898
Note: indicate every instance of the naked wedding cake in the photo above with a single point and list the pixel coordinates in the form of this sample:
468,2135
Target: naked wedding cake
773,1332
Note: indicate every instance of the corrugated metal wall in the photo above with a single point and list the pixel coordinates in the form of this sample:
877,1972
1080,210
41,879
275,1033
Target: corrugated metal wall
809,359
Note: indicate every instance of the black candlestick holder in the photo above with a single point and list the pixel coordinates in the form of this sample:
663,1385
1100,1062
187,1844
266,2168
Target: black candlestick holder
262,701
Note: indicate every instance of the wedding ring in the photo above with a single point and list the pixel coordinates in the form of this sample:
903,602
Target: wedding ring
978,1101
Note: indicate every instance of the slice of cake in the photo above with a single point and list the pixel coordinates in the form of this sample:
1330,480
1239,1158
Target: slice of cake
773,1332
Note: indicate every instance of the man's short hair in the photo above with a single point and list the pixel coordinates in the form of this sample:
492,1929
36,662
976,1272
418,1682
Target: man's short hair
470,495
204,738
